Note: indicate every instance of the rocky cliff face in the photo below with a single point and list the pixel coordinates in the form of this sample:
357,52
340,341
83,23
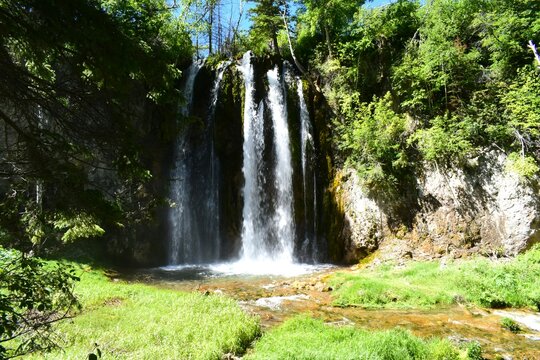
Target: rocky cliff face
456,211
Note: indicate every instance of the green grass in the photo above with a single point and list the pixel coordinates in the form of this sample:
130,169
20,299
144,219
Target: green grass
510,325
306,338
513,283
135,321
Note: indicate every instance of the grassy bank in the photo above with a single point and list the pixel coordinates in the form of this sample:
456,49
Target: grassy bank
484,282
306,338
135,321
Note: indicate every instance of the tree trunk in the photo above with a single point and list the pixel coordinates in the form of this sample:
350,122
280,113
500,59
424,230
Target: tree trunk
210,28
295,59
328,44
275,42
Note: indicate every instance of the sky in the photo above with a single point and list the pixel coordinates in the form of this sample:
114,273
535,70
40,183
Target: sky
376,3
230,11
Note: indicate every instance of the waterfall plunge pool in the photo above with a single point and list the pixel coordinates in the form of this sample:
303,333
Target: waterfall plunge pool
241,268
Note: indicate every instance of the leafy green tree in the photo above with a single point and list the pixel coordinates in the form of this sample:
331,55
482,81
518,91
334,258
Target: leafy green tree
328,18
505,27
442,65
79,80
372,135
33,296
373,42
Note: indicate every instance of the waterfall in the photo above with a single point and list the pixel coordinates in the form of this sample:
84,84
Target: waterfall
309,246
283,218
192,72
182,248
253,229
267,232
211,216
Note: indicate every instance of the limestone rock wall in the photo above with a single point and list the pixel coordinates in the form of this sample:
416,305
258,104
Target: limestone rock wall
456,211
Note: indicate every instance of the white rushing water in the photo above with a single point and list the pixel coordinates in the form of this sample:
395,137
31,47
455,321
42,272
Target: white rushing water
268,231
180,215
210,219
309,181
253,229
283,217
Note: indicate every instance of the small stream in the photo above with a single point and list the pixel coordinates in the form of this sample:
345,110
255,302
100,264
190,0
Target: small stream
277,298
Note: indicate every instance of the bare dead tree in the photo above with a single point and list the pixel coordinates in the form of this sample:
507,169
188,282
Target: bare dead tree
299,65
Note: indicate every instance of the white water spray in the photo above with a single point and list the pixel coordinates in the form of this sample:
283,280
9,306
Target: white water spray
253,230
307,154
181,249
283,218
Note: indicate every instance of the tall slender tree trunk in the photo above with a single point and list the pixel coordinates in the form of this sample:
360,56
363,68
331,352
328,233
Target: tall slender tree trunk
293,54
210,28
328,43
275,42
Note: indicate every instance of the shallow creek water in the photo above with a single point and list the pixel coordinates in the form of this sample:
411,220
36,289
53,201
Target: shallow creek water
276,298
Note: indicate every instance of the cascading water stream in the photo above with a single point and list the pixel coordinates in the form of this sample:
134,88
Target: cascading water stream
253,230
309,247
212,213
283,218
180,215
267,231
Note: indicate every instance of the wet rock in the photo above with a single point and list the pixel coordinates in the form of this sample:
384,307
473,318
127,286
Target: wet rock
319,286
532,321
275,302
364,220
343,322
532,337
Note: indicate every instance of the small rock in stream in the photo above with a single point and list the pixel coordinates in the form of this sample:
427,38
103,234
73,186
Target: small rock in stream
532,337
532,321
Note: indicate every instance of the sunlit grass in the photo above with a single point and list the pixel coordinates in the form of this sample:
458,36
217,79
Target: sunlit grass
306,338
135,321
510,283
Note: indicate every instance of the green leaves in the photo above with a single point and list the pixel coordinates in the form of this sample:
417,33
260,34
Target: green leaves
460,78
448,138
85,85
523,165
33,296
522,101
76,227
373,137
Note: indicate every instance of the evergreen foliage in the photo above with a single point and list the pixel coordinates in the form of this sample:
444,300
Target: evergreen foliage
76,80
